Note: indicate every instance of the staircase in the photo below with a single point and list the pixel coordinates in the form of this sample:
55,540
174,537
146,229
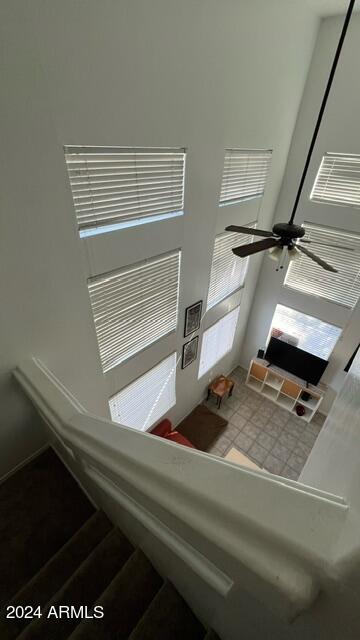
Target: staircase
75,574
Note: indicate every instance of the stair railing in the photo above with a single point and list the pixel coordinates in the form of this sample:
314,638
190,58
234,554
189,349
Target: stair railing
231,525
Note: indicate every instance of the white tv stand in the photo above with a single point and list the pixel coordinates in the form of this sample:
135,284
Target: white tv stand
283,388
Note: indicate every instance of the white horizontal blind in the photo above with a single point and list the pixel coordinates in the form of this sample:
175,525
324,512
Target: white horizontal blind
306,276
245,173
227,270
121,185
338,180
146,399
217,341
310,334
135,306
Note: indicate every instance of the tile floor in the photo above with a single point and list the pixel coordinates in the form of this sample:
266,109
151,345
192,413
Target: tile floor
273,438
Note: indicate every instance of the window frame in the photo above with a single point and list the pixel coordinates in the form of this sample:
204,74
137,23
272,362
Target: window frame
229,154
236,312
235,259
302,313
120,218
128,268
323,201
146,427
308,226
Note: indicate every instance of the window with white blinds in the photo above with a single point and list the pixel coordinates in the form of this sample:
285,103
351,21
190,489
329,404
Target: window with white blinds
227,270
114,187
303,331
244,175
338,180
218,341
306,276
148,398
135,306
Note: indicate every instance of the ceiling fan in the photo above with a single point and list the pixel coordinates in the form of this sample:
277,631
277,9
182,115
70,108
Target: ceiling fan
285,238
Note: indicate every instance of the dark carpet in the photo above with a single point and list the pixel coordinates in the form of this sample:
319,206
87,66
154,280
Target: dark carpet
168,618
202,427
41,507
95,566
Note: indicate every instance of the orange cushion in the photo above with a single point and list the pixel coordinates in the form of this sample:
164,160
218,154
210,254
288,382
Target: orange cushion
162,429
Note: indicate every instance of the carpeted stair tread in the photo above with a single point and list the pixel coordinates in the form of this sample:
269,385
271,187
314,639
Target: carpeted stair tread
83,588
57,552
168,618
211,635
41,507
124,601
40,589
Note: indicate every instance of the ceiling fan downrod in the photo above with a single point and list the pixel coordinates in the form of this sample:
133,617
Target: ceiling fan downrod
322,107
286,238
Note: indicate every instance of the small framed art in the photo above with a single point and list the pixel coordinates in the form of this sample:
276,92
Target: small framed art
192,318
189,353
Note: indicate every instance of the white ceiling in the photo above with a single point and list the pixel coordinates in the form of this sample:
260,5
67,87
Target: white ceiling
331,7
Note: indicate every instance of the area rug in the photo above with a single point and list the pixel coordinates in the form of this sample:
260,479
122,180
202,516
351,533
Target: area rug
202,427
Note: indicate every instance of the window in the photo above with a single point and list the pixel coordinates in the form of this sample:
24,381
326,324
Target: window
227,270
245,173
113,187
148,398
135,306
306,276
338,180
303,331
217,341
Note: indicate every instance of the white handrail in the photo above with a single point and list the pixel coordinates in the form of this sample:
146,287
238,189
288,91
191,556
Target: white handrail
273,536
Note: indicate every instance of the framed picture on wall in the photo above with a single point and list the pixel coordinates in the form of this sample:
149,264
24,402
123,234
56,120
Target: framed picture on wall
192,318
189,353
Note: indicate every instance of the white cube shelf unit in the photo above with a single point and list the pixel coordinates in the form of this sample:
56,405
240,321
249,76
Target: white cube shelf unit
285,390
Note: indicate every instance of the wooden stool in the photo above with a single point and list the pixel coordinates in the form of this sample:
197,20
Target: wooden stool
220,387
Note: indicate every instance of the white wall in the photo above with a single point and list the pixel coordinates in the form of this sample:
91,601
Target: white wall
44,302
202,74
340,133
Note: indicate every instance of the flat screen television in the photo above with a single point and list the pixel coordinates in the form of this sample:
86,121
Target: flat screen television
302,364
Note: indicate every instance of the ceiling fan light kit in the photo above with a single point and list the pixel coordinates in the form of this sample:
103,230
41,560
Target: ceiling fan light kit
278,254
281,254
275,253
294,254
283,242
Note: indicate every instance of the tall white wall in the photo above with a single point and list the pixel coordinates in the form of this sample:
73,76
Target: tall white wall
201,74
339,133
44,309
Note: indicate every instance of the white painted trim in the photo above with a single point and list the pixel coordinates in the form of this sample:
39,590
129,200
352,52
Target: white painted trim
276,538
197,562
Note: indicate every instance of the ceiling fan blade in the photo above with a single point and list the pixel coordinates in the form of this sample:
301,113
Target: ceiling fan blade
249,231
254,247
316,259
326,244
